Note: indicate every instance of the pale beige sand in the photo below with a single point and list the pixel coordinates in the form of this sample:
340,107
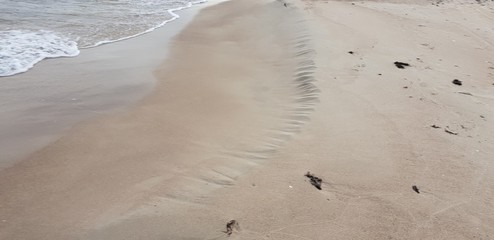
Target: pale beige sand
255,95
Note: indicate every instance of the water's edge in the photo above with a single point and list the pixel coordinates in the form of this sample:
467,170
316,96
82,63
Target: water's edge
21,50
41,105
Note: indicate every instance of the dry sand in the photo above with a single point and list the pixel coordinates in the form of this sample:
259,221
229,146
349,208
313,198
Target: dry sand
253,96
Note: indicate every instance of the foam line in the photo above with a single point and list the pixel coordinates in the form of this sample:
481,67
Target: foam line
170,11
20,50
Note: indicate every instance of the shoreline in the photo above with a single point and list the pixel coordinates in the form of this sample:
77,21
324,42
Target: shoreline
170,11
73,50
295,122
41,105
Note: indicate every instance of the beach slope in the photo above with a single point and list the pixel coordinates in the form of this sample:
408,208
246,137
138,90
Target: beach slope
293,119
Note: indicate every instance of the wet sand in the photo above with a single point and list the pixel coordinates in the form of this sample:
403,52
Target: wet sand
254,95
39,106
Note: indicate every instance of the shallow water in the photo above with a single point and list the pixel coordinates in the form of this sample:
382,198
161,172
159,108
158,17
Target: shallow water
32,30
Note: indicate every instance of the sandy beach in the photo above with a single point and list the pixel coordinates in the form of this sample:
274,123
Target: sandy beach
297,119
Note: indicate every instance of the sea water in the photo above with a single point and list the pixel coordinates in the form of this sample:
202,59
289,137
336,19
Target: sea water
32,30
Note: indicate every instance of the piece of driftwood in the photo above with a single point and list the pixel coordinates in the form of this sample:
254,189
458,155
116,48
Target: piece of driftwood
450,132
315,181
466,93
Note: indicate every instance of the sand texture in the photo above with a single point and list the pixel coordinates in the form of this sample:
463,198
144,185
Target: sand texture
256,94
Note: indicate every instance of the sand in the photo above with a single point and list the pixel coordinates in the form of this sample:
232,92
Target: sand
254,95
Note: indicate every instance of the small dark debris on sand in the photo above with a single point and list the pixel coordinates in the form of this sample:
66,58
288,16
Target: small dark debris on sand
351,52
401,65
465,93
315,181
230,226
416,189
380,74
435,126
482,116
286,5
450,132
457,82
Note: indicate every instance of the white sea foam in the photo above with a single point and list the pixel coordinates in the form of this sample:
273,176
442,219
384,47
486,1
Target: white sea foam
21,49
59,28
170,11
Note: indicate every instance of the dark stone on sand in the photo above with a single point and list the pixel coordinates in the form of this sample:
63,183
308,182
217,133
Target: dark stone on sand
315,181
435,126
457,82
401,65
351,52
416,189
